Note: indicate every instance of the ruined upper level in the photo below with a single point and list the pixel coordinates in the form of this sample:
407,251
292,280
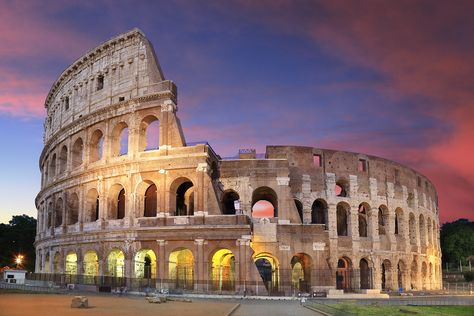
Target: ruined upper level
121,69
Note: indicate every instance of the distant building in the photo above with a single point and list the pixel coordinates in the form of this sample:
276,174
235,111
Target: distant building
124,198
14,276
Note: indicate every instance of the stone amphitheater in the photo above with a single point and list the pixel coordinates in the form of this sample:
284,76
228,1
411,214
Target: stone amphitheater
126,201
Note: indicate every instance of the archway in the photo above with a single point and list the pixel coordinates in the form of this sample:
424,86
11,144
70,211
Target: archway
92,206
91,266
301,272
71,263
382,217
365,274
400,274
149,133
117,202
57,263
181,268
63,160
73,209
264,203
119,140
413,275
145,264
150,201
363,216
58,211
96,146
343,274
319,212
229,200
424,275
223,270
299,209
342,214
46,268
267,267
386,275
77,153
116,264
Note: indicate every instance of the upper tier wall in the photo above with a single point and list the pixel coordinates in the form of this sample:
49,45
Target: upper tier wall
120,69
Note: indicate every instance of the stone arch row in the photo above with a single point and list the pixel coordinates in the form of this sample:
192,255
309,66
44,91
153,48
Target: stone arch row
99,144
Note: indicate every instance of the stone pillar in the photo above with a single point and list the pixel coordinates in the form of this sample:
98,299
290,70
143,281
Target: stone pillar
163,194
80,262
161,265
244,284
199,265
37,261
306,199
199,196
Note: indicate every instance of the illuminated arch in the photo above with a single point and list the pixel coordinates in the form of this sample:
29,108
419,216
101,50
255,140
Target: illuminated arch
223,270
181,268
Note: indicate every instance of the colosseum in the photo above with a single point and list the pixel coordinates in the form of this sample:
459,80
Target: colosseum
125,201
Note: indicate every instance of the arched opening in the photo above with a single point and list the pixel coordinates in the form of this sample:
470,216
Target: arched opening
73,209
430,231
400,271
116,264
430,276
424,275
117,202
399,222
181,268
301,272
382,217
50,217
365,274
145,264
363,216
267,267
342,188
149,138
343,274
91,266
319,212
71,263
422,230
57,263
412,229
77,153
413,275
58,211
299,208
150,202
230,202
223,270
52,167
386,275
96,146
63,160
185,199
120,140
342,214
92,206
47,264
264,203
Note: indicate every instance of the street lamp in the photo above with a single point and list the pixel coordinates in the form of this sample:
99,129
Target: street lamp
19,260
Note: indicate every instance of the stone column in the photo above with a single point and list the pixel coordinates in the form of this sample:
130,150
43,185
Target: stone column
199,265
245,284
199,196
80,262
37,261
306,199
163,194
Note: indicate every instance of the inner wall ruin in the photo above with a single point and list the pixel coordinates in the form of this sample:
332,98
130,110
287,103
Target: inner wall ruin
125,201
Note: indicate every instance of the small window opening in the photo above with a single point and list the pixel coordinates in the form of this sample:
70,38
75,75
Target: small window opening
341,189
66,103
362,165
100,82
317,160
121,99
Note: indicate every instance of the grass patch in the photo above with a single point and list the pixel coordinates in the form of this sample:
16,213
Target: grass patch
392,310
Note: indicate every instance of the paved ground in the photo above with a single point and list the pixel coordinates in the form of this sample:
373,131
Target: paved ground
273,308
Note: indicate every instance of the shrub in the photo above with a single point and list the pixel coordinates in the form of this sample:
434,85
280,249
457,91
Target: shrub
469,276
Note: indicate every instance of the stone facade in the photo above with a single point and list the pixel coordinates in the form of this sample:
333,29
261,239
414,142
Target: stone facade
179,215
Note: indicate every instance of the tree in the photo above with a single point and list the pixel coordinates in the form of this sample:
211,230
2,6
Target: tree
457,241
17,237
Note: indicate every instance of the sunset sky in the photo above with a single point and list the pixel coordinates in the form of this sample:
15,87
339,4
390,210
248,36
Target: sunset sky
388,78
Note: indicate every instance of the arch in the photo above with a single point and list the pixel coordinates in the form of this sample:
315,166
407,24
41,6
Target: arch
145,264
52,167
96,146
47,264
150,201
430,231
412,229
264,203
399,221
413,275
63,160
319,212
50,217
117,201
301,264
181,268
91,266
424,275
71,263
57,263
365,274
183,188
422,229
401,268
72,213
77,155
382,218
116,263
299,209
223,270
386,275
268,268
92,206
343,273
58,213
342,188
230,202
119,144
363,214
342,214
149,133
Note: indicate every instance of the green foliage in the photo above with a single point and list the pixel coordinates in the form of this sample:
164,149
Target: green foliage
388,310
457,241
17,237
469,276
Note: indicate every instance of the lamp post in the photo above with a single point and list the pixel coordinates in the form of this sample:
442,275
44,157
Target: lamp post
19,261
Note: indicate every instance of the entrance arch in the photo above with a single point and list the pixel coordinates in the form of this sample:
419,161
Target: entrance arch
365,274
115,264
343,274
386,275
91,266
181,268
301,272
71,263
145,264
223,270
267,266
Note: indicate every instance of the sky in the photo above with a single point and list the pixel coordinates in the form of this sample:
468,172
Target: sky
387,78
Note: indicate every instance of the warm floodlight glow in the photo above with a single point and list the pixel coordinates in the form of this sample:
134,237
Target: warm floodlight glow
19,260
